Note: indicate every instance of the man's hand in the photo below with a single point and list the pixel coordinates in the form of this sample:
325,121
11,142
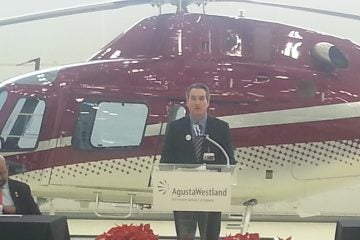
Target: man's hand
9,209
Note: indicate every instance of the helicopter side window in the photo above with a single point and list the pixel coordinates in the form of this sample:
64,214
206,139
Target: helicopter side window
110,124
233,44
22,129
3,96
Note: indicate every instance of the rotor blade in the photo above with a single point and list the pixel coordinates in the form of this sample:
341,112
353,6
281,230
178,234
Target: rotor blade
304,9
72,11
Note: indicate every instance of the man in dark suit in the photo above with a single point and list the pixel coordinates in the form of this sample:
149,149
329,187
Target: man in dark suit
182,146
15,196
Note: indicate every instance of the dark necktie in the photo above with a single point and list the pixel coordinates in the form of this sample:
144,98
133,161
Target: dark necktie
198,145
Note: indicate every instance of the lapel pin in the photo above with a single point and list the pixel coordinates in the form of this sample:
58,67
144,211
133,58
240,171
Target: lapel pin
188,137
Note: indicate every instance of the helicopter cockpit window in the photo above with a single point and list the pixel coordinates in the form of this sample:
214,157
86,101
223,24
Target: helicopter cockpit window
3,96
21,131
39,78
110,124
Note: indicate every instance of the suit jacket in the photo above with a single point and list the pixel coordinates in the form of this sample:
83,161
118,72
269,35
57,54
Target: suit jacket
178,148
22,198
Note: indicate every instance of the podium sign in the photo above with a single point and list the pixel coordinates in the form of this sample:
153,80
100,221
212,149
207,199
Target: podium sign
191,191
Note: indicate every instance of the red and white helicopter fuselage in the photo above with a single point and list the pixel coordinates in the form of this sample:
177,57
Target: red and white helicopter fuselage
290,96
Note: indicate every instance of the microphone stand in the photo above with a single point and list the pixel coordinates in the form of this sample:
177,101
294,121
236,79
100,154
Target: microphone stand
207,137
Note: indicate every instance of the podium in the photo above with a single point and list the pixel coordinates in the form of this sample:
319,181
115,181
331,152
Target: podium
347,230
192,187
33,227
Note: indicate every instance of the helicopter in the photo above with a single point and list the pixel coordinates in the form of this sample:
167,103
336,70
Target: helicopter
92,131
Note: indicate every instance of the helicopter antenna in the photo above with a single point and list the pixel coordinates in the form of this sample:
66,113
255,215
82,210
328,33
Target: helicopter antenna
35,60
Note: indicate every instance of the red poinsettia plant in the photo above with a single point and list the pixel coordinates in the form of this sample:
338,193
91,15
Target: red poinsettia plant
129,232
246,236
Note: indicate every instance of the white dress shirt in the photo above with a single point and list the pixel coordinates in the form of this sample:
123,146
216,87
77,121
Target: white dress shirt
7,199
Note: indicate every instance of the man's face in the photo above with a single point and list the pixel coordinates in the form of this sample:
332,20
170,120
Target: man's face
197,103
4,174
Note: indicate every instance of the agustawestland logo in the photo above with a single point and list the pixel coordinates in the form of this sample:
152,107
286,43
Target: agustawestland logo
203,192
163,187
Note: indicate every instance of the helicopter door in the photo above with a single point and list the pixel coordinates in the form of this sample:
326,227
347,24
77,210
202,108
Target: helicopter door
103,139
174,112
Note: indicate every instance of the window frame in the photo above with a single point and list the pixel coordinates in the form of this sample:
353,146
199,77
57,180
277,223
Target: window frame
87,143
5,98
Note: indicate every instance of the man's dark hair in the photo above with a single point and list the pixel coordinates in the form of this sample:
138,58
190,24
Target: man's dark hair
198,86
